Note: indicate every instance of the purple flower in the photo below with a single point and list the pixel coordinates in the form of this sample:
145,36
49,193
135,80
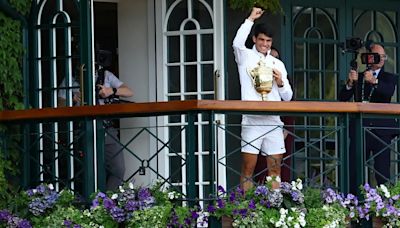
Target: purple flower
297,196
41,199
232,197
275,198
13,221
243,212
380,205
211,208
252,205
67,223
41,189
95,203
195,215
143,194
132,205
24,224
4,215
221,189
101,195
286,187
240,191
174,220
265,203
367,187
261,190
30,192
117,214
220,203
329,196
108,203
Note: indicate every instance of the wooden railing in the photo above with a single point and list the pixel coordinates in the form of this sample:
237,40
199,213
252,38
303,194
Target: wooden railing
160,108
191,108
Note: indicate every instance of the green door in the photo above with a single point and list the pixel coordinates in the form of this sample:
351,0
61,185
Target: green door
62,41
313,36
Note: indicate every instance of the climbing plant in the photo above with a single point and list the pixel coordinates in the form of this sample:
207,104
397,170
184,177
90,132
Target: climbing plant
11,89
273,6
11,52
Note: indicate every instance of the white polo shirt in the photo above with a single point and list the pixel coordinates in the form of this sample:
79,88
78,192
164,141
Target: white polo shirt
247,59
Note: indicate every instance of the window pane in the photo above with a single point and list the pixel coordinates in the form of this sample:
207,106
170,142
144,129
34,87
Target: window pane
207,77
190,48
173,49
174,82
191,78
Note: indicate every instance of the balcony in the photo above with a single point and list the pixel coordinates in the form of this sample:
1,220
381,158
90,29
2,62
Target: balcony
192,146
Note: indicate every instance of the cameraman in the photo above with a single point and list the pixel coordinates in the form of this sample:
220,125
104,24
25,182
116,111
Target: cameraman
108,87
377,86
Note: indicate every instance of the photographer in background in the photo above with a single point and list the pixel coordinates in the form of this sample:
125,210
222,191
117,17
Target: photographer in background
108,87
108,90
377,86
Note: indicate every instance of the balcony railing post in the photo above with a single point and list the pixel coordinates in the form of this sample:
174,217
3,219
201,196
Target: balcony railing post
88,146
190,160
101,167
359,149
212,151
344,152
26,157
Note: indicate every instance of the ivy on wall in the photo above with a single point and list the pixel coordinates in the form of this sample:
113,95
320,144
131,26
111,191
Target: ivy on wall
11,89
11,52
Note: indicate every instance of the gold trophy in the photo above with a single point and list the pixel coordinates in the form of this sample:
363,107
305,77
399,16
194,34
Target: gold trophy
261,75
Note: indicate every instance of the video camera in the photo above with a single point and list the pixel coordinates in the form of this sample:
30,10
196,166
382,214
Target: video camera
103,61
370,58
353,45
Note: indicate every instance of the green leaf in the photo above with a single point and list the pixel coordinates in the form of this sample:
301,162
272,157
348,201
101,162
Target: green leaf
273,6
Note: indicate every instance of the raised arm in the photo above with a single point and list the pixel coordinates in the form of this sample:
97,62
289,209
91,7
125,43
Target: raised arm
243,32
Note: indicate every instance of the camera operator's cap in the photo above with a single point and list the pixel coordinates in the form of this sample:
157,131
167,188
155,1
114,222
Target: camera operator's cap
103,58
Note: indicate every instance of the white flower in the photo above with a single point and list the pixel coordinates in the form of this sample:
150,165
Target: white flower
296,225
114,196
269,178
171,195
278,224
51,187
385,190
283,211
121,189
278,179
299,184
130,185
302,220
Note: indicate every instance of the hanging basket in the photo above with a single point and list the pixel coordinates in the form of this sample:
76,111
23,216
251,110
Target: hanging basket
224,222
377,222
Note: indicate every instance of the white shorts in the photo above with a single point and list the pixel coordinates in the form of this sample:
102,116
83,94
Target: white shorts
265,139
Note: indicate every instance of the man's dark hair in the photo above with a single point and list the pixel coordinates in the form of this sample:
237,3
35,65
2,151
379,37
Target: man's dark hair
262,29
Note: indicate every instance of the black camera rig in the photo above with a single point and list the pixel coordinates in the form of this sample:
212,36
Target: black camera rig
353,45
